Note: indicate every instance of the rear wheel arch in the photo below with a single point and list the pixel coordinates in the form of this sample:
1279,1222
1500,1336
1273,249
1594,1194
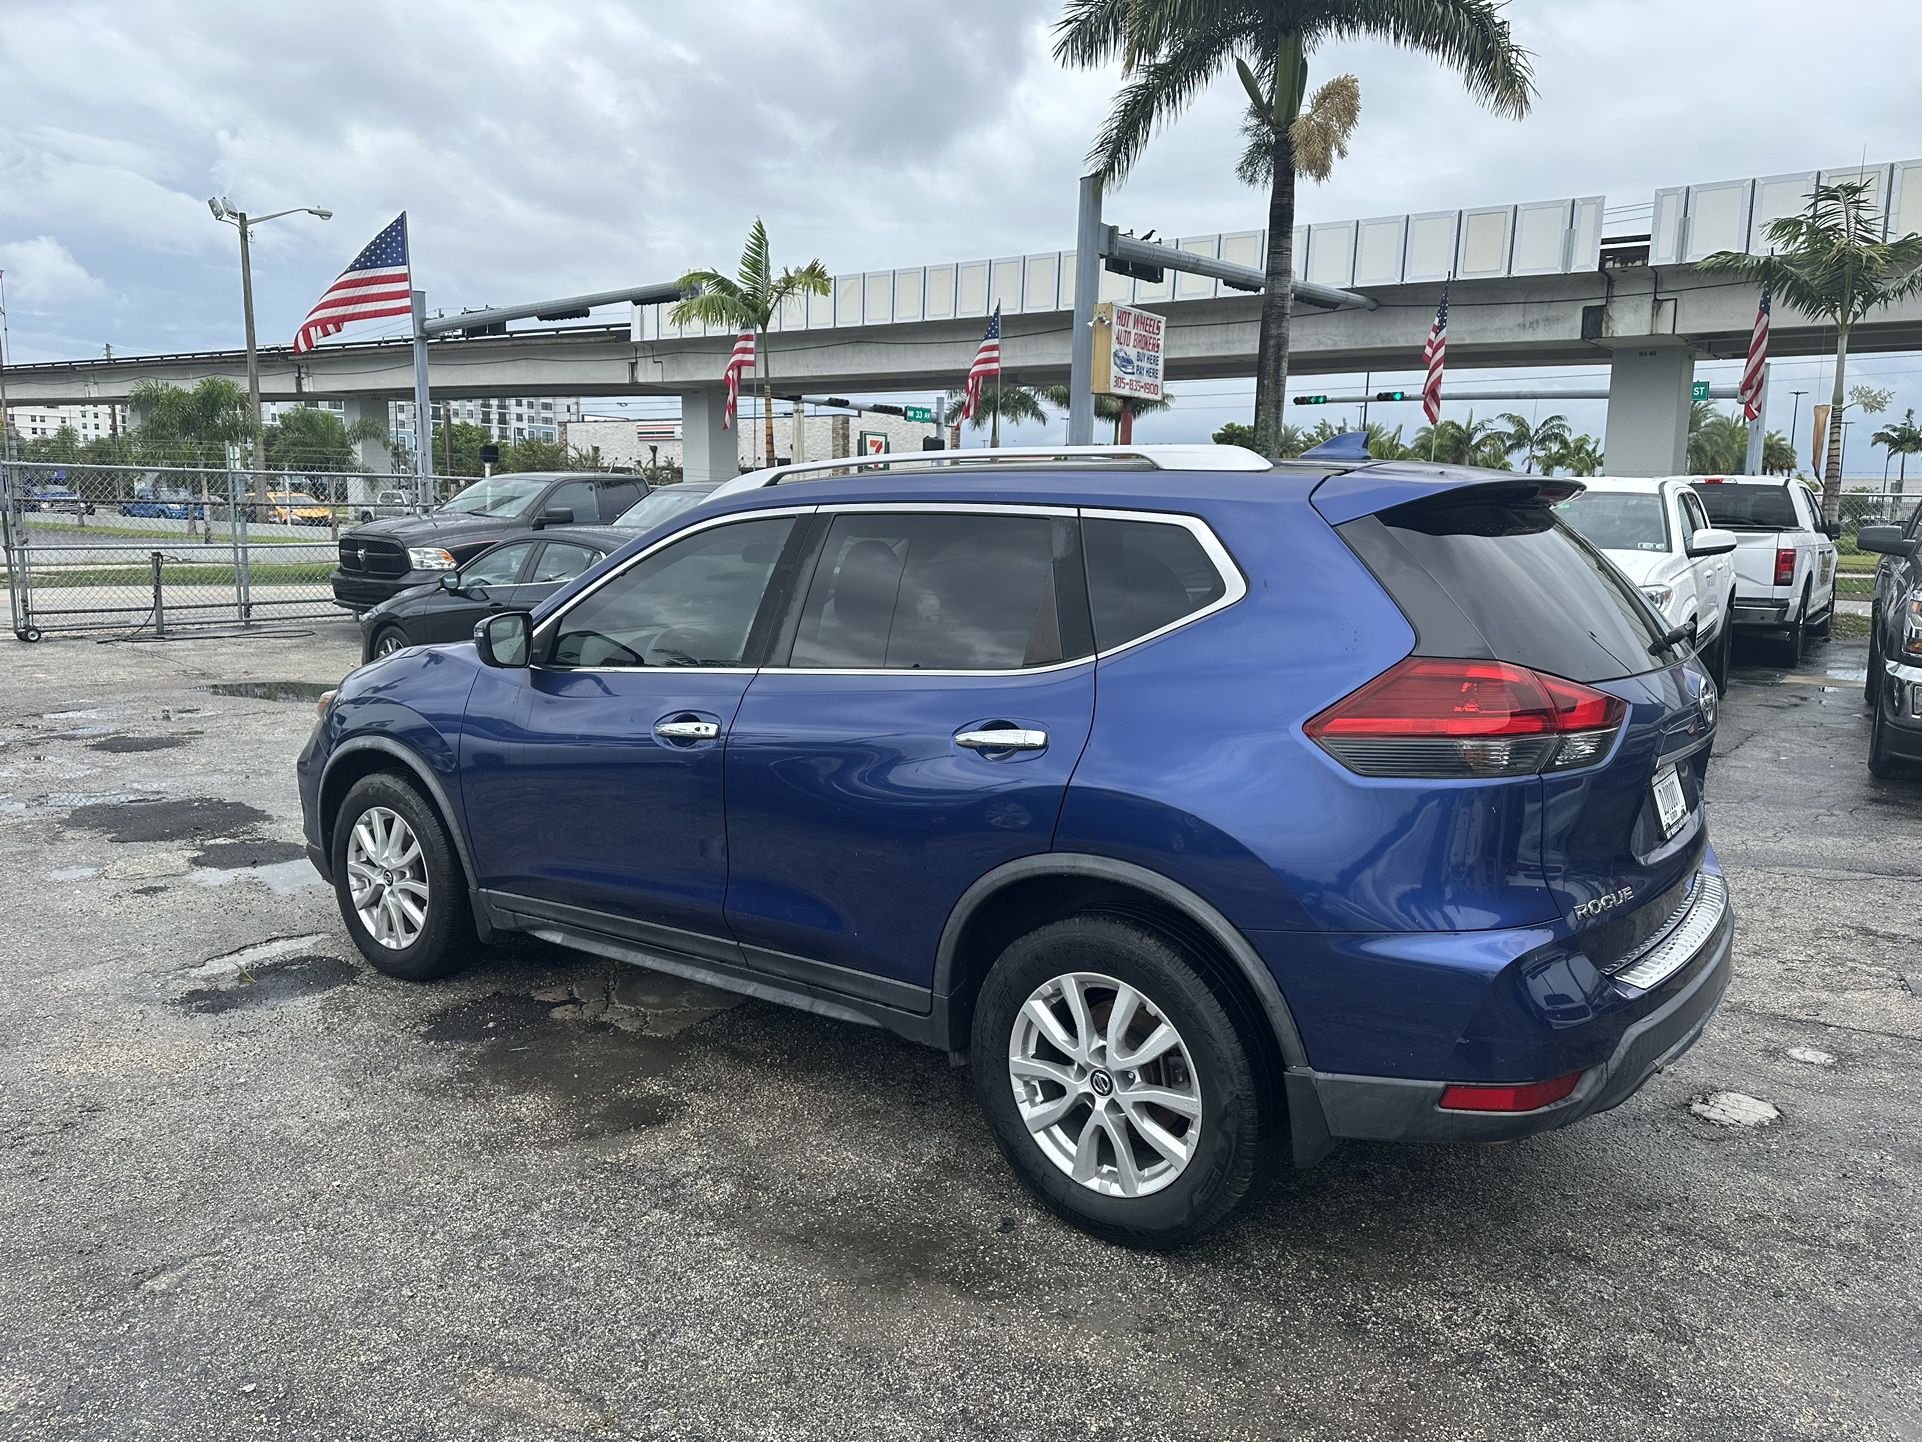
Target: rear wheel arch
1031,892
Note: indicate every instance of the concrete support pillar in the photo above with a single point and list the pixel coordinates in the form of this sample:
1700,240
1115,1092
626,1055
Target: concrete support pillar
371,455
708,452
1648,406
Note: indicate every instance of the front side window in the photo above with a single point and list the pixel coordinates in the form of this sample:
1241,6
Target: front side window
1144,575
562,561
1693,517
691,603
941,591
499,567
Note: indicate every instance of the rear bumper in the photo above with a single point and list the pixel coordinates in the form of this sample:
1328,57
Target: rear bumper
1374,1108
1762,615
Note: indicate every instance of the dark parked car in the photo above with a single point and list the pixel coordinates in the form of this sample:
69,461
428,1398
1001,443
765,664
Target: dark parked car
380,560
1893,686
513,575
1216,816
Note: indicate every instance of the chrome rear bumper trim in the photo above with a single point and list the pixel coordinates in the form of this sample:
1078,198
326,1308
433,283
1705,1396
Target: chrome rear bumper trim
1684,934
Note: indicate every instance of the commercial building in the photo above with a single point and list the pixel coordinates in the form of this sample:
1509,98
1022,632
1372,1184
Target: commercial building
633,443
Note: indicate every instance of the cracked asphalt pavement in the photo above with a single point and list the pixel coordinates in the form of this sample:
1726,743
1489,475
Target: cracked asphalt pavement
250,1188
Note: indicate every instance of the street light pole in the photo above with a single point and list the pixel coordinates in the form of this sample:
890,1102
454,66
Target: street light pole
1795,416
224,211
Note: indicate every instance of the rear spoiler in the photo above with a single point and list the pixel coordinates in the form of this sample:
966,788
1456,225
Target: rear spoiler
1367,490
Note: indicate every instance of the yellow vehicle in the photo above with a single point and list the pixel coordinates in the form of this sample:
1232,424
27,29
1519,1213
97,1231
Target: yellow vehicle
295,508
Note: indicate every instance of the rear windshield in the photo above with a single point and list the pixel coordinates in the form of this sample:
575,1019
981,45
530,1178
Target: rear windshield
1498,574
1618,520
1748,506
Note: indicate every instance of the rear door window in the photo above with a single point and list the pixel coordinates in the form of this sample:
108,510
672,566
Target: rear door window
1494,572
1145,575
943,591
562,561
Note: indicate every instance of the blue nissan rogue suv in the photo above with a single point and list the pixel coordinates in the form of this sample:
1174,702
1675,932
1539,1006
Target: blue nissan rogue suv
1217,810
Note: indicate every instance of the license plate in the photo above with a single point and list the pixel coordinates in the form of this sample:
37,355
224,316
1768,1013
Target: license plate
1671,806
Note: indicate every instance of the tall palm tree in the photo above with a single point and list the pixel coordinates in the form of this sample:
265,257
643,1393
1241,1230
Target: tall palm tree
177,425
1828,263
1900,438
1534,439
1575,456
1718,444
1171,49
1466,442
1778,456
1108,408
1014,403
749,300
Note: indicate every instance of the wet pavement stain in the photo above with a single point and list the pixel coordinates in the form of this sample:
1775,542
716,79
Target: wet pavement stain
271,690
236,855
271,985
514,1044
125,745
194,818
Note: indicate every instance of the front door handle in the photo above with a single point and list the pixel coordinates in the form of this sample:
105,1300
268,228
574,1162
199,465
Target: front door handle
1002,738
686,730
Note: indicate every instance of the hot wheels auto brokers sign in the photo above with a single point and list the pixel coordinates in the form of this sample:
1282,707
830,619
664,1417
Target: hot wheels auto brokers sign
1127,352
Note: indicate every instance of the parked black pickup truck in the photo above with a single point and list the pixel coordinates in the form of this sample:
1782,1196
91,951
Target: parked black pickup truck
384,558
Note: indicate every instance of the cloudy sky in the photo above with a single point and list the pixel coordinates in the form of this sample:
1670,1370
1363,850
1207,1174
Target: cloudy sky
569,146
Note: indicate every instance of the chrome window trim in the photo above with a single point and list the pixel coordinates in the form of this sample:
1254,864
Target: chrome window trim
1235,584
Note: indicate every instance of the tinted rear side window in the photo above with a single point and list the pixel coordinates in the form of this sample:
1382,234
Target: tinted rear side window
1748,506
1143,575
1500,576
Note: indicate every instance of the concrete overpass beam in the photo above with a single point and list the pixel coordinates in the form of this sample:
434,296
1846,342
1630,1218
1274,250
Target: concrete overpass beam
371,455
1648,405
708,452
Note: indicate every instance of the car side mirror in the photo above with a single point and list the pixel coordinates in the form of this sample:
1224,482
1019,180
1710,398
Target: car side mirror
555,516
1832,529
503,640
1883,540
451,582
1710,541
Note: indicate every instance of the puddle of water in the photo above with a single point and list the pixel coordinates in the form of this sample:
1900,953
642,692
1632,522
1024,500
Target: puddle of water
73,873
132,818
272,985
236,855
271,690
589,1072
283,879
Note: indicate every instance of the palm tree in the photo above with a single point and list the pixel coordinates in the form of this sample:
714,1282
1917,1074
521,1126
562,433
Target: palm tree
198,425
1778,456
1234,433
1463,443
1534,439
1829,264
1575,456
1717,441
1902,438
749,300
307,439
1108,408
1016,403
1171,49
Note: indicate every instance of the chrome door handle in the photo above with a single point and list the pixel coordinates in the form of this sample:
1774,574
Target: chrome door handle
686,730
1008,738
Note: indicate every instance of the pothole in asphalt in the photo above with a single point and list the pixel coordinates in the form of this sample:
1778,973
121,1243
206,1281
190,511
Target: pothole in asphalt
127,745
515,1044
252,955
273,984
1811,1056
271,690
148,818
236,855
1735,1109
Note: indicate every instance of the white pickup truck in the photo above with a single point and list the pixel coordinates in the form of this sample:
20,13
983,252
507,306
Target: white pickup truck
1657,534
1785,562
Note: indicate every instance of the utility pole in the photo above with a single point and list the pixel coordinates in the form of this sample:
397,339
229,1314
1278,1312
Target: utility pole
1795,415
224,211
6,431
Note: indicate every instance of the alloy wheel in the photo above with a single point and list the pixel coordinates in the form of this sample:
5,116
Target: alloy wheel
1105,1084
387,877
389,643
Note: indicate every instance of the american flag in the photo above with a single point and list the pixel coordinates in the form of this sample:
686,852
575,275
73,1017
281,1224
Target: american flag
1433,356
987,362
741,360
1754,374
375,285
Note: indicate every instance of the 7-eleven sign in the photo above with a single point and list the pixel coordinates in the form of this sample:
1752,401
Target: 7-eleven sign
874,443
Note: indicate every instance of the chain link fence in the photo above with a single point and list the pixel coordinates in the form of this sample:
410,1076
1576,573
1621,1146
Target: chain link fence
144,549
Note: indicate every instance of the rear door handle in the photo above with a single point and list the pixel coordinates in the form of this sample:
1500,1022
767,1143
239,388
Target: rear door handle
1002,738
686,730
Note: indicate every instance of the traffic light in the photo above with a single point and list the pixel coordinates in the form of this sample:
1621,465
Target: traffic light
1311,400
1140,270
1393,396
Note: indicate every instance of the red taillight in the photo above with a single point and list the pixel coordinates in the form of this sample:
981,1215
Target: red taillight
1524,1097
1430,716
1785,566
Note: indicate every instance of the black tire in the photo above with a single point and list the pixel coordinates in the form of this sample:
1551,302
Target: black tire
1884,765
1875,666
387,640
1796,644
1240,1119
446,941
1718,663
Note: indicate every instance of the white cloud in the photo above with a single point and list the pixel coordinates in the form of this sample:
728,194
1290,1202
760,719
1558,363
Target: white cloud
42,273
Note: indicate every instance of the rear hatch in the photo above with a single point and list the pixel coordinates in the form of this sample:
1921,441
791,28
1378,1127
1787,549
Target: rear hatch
1757,512
1533,655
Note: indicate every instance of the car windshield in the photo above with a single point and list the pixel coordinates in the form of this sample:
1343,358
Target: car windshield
1618,520
1747,506
657,506
502,496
